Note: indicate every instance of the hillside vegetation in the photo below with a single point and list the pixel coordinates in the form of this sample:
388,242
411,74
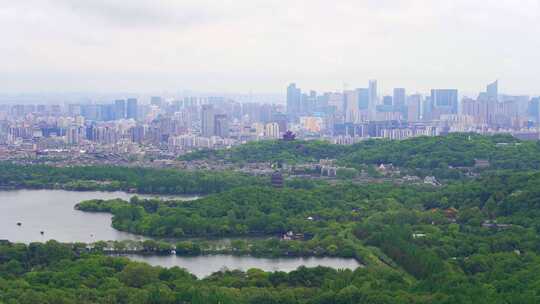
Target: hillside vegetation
423,155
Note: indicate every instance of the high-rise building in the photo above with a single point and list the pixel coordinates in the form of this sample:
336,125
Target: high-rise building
271,130
399,97
156,101
221,125
387,100
281,120
138,133
322,103
335,100
363,98
350,100
372,97
265,113
294,101
252,111
207,120
426,110
74,109
534,110
132,108
443,101
107,112
119,109
309,103
73,135
414,107
311,123
91,112
493,90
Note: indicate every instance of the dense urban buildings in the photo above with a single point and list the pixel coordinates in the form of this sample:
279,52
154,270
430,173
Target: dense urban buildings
163,126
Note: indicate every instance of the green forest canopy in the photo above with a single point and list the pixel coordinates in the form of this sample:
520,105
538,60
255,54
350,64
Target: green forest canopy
469,241
141,180
426,254
455,149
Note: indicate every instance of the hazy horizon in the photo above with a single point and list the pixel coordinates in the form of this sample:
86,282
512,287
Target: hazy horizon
261,46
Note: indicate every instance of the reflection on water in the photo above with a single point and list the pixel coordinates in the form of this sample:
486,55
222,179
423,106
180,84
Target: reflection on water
205,265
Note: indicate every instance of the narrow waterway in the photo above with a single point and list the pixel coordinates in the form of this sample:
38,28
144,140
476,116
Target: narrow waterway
204,265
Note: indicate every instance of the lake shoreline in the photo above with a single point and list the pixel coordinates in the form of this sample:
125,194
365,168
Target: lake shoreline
204,265
38,210
190,196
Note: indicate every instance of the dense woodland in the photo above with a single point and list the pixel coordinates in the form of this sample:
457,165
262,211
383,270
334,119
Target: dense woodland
421,155
140,180
496,213
56,273
472,240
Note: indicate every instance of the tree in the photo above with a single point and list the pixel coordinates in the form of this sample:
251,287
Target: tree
349,295
138,275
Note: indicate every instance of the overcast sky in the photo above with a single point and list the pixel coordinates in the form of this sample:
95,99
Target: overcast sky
243,45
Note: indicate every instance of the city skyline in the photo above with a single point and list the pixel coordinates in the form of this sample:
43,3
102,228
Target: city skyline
258,46
125,130
270,98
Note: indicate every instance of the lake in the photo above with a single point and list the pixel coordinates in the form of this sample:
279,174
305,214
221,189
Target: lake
52,212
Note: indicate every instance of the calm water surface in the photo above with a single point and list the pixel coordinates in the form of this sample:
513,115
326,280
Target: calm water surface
52,212
202,266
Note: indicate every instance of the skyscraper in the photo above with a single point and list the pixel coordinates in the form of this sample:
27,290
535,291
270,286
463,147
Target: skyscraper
107,112
372,97
399,97
271,130
90,112
309,103
493,90
294,101
119,109
73,135
207,120
427,108
265,114
221,125
281,120
534,110
335,100
137,133
363,98
132,108
156,101
443,101
414,107
252,110
350,100
387,100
